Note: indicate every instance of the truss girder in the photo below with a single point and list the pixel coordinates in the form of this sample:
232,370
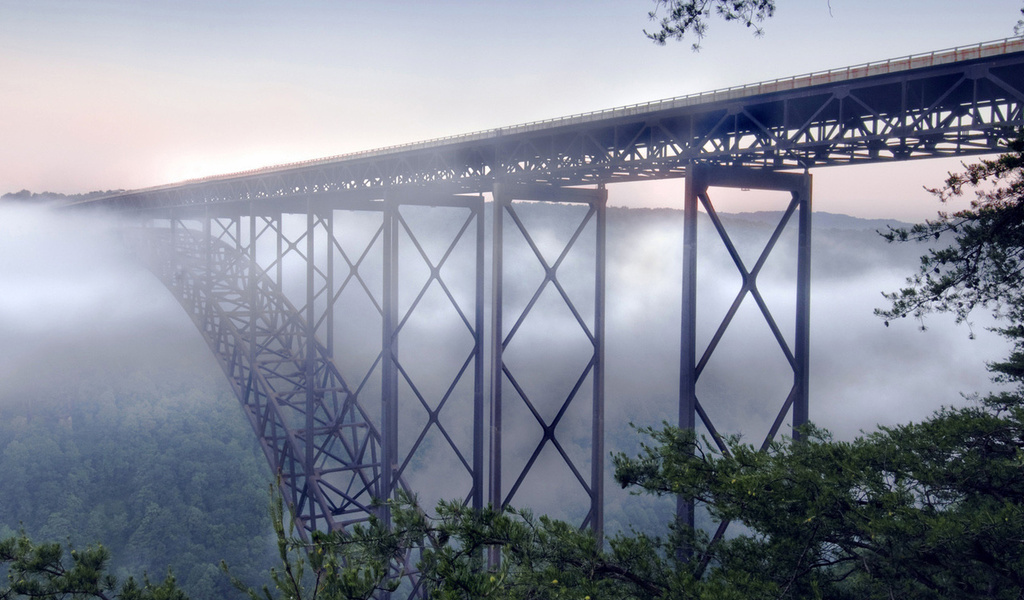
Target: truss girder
945,109
336,461
315,435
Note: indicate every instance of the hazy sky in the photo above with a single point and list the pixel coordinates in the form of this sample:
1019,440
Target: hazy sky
101,94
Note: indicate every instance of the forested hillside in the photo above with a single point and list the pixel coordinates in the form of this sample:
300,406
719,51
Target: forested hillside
143,450
162,472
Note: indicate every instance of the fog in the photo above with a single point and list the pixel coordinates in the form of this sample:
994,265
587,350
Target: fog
73,301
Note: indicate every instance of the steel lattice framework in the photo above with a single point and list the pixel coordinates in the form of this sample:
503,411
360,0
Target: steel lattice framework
326,448
341,436
334,457
951,103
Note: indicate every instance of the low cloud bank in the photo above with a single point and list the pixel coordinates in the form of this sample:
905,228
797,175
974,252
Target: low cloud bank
75,300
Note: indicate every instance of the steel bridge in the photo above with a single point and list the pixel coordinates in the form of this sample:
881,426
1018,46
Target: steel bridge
262,259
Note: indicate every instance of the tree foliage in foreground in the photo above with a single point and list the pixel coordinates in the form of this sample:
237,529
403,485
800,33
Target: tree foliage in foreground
934,509
984,266
925,510
679,18
52,572
446,554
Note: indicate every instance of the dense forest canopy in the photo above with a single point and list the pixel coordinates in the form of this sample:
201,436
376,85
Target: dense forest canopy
154,461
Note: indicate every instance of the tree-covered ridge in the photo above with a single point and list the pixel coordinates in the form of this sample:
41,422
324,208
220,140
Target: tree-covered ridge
160,471
27,196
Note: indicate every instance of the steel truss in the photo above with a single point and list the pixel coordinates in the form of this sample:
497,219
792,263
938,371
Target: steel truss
952,110
503,377
442,412
312,430
966,101
335,455
795,348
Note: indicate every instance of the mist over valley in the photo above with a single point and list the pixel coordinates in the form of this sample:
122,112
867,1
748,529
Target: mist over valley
98,360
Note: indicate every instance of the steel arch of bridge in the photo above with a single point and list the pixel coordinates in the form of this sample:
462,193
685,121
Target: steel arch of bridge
337,454
339,442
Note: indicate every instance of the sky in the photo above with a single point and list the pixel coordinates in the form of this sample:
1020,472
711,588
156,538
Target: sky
116,94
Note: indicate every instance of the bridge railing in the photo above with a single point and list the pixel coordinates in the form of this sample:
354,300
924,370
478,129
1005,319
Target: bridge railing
893,65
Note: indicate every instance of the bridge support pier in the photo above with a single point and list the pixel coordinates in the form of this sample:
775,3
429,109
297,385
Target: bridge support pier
794,345
533,410
442,279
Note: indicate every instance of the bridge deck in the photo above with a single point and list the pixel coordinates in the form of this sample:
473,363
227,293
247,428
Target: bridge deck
960,101
782,84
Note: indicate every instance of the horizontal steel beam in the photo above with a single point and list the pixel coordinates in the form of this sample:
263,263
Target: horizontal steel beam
955,103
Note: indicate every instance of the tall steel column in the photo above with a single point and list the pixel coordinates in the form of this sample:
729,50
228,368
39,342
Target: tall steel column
502,198
699,179
308,432
597,453
688,350
802,344
389,352
502,373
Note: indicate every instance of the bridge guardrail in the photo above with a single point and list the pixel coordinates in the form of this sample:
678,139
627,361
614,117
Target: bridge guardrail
869,69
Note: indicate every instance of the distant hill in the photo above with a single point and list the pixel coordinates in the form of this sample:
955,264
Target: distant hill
824,220
53,197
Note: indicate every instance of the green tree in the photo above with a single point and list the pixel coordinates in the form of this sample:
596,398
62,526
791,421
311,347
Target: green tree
446,555
351,565
983,265
52,572
679,18
933,509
